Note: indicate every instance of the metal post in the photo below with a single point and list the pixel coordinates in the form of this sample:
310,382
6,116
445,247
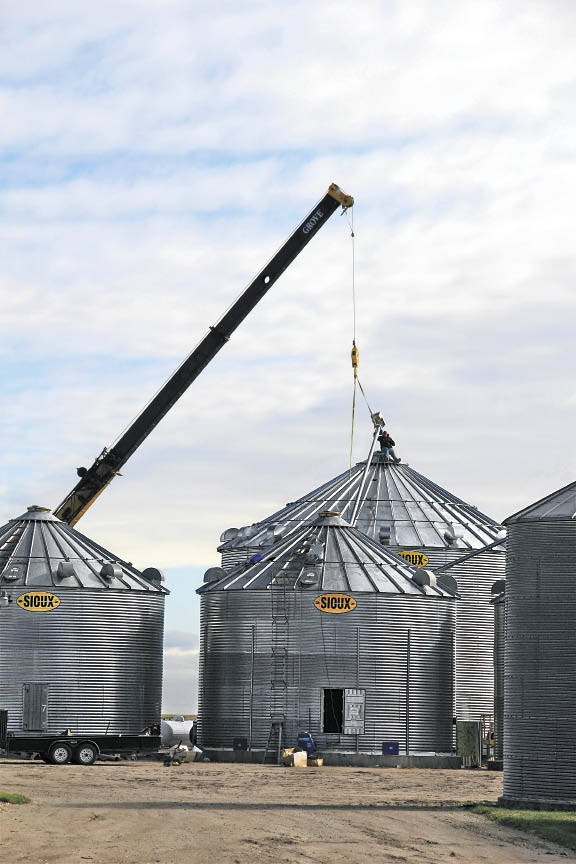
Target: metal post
280,727
453,682
251,689
408,651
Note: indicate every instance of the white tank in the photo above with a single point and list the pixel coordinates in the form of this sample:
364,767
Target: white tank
175,730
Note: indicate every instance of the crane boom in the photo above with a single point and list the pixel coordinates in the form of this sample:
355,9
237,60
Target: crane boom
107,465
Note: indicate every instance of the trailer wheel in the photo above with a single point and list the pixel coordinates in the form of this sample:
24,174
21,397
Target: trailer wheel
59,754
85,754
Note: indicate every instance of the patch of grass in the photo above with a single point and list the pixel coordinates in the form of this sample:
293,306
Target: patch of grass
9,798
554,825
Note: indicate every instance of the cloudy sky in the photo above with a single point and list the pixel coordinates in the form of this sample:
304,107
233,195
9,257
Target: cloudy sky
155,153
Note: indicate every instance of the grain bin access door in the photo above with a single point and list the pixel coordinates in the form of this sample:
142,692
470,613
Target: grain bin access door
354,704
35,707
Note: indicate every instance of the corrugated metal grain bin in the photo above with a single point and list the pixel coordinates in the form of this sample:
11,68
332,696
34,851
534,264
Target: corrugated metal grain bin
329,633
540,654
402,510
81,632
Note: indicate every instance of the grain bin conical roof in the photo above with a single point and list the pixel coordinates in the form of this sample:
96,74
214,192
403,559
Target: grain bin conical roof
330,555
389,502
559,505
38,550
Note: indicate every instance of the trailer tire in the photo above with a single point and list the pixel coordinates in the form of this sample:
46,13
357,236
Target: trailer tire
59,754
85,754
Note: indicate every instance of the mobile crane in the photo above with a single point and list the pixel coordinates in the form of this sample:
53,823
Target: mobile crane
107,465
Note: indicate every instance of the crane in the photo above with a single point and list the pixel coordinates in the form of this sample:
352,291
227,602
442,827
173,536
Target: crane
107,465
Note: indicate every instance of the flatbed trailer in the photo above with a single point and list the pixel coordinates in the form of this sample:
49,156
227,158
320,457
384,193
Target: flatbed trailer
64,747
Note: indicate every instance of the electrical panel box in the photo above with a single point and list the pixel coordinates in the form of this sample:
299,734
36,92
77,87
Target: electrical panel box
354,710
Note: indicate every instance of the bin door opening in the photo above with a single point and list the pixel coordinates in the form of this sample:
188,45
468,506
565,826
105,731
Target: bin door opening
35,707
333,711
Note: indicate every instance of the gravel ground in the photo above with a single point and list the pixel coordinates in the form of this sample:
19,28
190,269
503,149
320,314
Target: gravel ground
143,813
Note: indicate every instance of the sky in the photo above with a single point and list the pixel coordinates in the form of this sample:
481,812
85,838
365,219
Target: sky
155,153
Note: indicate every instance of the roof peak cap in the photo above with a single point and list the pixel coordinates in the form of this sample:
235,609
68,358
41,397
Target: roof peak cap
36,512
332,518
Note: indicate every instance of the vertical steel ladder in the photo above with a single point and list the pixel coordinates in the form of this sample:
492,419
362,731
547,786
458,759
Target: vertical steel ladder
283,582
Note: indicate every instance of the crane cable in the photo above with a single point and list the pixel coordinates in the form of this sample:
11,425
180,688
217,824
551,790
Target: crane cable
355,354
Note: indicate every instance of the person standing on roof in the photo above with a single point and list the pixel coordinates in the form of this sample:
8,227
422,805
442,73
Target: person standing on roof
387,446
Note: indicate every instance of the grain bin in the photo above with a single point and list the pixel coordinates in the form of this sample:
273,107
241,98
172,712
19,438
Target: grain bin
327,631
399,508
81,632
540,654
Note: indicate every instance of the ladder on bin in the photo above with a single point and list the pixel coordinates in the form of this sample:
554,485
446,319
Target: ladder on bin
283,582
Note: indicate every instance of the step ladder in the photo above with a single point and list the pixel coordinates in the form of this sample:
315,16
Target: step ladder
274,743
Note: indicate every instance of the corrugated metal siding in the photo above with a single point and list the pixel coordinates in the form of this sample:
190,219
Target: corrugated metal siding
323,653
99,652
232,557
540,662
474,683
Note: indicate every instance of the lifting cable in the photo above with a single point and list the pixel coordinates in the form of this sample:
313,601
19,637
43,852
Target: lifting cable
355,355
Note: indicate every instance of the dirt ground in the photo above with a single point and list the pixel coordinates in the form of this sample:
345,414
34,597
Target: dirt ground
143,813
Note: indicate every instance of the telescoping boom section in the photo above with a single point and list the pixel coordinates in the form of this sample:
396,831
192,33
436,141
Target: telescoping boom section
107,465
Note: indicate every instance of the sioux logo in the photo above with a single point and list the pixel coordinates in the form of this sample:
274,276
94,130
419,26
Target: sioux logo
335,603
38,601
417,559
314,219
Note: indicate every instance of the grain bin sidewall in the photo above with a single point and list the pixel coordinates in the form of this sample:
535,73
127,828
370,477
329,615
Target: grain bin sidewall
540,665
99,652
322,653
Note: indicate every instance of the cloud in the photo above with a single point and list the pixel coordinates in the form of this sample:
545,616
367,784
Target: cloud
180,690
180,641
181,79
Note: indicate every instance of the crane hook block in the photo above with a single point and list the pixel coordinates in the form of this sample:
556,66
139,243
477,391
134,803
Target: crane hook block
345,200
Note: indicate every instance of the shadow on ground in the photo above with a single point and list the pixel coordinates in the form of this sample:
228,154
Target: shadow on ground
227,805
